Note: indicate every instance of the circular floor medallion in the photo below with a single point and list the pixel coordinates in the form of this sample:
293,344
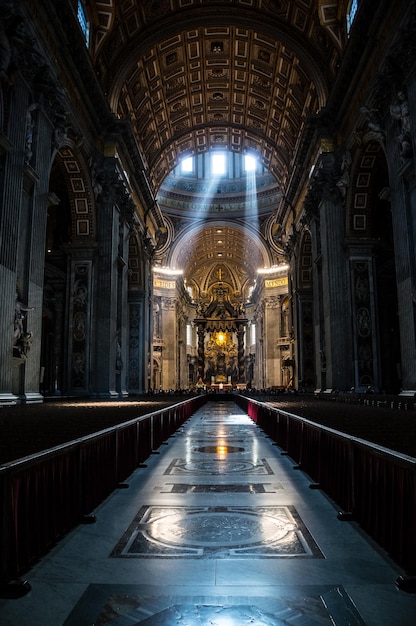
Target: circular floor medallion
218,529
220,466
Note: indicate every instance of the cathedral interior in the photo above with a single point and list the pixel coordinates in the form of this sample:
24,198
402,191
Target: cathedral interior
213,199
206,195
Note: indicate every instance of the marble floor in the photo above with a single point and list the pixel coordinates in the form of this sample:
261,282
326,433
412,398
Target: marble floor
217,529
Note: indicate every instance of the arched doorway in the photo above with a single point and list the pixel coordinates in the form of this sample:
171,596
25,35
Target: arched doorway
68,291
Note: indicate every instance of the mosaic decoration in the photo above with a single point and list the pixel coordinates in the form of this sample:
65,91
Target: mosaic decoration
219,467
217,532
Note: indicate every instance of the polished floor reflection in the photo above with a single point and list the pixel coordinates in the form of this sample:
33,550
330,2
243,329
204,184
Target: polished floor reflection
217,529
217,532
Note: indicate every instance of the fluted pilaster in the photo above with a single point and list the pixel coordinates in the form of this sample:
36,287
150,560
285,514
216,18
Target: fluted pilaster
11,171
335,303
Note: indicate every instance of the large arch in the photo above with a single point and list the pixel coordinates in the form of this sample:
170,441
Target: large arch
288,64
244,230
374,304
68,276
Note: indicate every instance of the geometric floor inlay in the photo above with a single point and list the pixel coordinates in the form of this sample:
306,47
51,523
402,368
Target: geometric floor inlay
217,532
216,488
130,605
219,466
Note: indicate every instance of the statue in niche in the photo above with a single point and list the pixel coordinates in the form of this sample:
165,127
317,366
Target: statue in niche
96,179
374,122
19,316
24,344
200,309
79,326
49,92
344,180
363,322
361,290
399,110
12,38
80,294
119,360
30,126
22,338
232,371
78,364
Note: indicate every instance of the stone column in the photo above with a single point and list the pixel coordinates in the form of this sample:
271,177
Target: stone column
403,201
241,331
11,190
317,314
169,326
36,182
271,336
138,348
139,323
122,310
58,379
201,349
182,368
105,327
106,323
336,354
259,379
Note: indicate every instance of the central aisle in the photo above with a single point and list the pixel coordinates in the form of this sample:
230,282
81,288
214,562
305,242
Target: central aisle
218,529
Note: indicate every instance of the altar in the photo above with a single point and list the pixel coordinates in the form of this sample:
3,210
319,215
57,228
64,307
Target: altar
220,387
221,324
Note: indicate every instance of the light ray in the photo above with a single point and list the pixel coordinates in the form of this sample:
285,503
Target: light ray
251,213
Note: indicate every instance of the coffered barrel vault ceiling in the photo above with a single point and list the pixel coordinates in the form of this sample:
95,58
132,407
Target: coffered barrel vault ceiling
200,75
217,245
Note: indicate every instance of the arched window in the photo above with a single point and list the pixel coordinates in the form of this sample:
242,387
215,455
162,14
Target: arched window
187,165
250,163
218,163
253,334
352,10
83,21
